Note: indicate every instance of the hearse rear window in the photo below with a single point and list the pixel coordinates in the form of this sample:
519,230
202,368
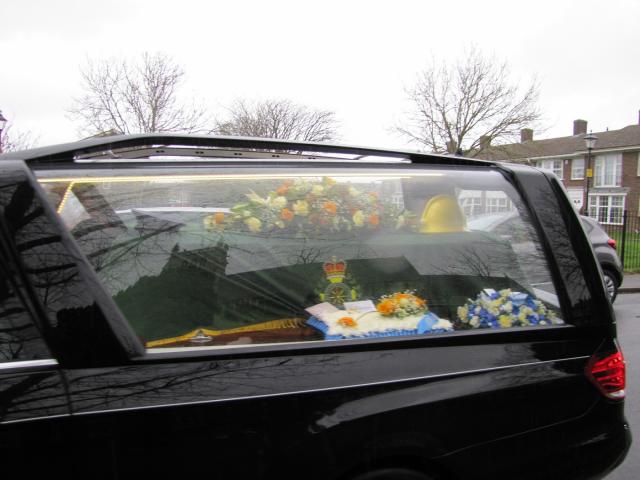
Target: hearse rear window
211,259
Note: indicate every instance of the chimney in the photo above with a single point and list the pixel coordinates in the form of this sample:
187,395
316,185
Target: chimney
526,135
485,142
579,127
451,146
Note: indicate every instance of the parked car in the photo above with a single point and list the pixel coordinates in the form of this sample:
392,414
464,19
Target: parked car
605,248
510,226
244,308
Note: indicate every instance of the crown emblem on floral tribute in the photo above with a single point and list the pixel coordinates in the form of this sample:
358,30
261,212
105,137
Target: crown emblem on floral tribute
335,270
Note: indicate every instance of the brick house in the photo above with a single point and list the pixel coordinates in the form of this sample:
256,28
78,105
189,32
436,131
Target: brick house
615,164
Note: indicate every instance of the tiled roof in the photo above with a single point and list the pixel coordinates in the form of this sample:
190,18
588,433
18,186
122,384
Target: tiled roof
625,137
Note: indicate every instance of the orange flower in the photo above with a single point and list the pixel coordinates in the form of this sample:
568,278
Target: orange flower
286,214
330,207
347,322
284,188
218,217
374,220
400,296
386,307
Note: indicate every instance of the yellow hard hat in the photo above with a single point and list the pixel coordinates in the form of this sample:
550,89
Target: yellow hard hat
442,214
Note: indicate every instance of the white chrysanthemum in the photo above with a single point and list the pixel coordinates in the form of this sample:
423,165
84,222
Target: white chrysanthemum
279,202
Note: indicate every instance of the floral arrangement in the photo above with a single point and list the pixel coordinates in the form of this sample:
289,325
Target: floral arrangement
342,324
505,309
401,305
304,205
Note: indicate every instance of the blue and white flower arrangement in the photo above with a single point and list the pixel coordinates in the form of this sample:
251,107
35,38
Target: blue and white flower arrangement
505,309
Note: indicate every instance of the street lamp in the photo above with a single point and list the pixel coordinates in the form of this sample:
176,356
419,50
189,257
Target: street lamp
3,122
590,142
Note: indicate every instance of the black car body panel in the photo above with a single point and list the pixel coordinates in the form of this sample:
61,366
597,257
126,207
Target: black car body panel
466,404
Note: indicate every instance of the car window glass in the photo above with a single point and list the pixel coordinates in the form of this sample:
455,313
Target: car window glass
215,259
20,340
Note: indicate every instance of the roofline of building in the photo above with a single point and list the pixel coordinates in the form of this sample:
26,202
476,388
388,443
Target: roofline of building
580,152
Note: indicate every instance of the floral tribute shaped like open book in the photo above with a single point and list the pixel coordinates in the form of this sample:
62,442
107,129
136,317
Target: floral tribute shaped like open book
401,313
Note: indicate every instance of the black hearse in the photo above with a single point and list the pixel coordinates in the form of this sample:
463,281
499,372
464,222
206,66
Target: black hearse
250,308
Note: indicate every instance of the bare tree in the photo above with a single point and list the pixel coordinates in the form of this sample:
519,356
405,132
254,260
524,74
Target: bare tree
278,119
12,140
468,104
124,97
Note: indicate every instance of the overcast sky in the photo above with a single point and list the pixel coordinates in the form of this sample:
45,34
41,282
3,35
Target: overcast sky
352,57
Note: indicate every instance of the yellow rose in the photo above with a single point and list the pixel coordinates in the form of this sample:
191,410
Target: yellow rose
358,218
462,313
317,189
354,192
301,208
253,223
504,321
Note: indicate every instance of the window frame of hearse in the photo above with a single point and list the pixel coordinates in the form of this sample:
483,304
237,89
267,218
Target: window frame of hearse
369,343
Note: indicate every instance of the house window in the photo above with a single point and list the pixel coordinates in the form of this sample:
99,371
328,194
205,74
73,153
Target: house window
552,165
577,169
498,204
608,170
471,202
606,209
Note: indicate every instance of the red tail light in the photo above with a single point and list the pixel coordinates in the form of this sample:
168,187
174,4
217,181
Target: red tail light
607,372
612,243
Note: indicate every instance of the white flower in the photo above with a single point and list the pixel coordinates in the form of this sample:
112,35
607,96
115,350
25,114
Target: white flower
279,203
354,192
475,321
317,189
255,198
